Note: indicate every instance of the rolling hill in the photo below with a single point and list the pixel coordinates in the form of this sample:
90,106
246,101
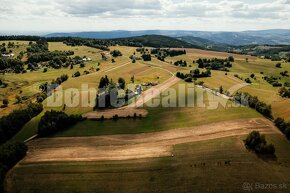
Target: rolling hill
274,36
158,41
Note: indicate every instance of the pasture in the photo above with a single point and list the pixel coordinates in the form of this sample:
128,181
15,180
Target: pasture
219,165
172,149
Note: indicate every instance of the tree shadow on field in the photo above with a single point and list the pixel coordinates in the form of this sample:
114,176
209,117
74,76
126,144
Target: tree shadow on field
267,158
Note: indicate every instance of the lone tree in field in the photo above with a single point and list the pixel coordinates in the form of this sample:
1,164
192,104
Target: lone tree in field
122,83
133,79
278,65
257,143
221,89
5,102
231,59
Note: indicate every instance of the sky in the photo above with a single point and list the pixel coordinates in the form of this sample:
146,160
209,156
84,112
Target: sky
42,16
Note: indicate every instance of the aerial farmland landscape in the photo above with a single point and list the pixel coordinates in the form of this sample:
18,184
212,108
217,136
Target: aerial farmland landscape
144,96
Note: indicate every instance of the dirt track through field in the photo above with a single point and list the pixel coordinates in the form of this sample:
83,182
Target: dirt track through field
137,146
154,92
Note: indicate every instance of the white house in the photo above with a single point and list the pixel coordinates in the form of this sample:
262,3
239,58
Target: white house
8,55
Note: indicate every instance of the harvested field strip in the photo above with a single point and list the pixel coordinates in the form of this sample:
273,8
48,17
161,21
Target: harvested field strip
126,147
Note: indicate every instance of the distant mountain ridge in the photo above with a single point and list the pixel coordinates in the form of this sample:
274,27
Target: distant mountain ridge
156,41
271,37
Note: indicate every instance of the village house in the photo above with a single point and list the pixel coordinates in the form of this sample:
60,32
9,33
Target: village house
11,55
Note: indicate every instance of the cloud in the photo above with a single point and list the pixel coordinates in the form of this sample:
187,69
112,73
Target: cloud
155,13
124,8
277,9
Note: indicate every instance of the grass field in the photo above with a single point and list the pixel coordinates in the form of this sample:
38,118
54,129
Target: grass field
221,165
216,109
160,71
164,118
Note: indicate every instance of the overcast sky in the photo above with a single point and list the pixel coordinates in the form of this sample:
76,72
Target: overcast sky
102,15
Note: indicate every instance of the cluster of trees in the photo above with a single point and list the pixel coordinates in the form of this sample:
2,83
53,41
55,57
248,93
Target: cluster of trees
287,84
104,82
180,63
253,102
215,63
134,58
273,81
283,126
284,92
2,48
285,73
10,154
194,74
54,121
38,53
146,57
76,74
55,59
142,50
274,57
257,143
108,95
71,41
48,87
15,64
116,53
248,80
12,123
197,74
94,43
161,54
40,45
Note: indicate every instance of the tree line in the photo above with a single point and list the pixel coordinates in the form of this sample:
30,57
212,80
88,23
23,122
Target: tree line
10,154
253,102
180,63
273,81
284,126
193,75
12,123
55,121
47,88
